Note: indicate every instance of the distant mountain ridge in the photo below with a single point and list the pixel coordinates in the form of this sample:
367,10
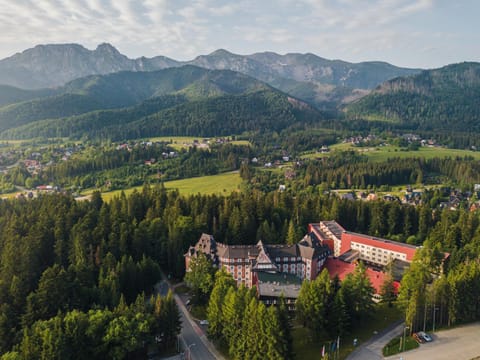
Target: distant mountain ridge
186,100
439,99
303,75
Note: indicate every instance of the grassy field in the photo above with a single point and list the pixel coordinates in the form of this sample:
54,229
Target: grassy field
216,184
306,348
395,345
183,142
385,152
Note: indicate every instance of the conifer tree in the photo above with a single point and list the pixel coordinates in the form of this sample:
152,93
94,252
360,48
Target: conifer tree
277,344
286,326
223,281
200,278
251,333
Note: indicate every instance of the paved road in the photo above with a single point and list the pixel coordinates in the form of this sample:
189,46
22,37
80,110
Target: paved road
191,332
461,343
372,349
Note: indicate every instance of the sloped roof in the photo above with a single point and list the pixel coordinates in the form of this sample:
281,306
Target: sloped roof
276,285
264,262
281,250
239,251
334,227
337,267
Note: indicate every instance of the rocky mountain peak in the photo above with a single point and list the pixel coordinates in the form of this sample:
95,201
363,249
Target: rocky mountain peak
106,48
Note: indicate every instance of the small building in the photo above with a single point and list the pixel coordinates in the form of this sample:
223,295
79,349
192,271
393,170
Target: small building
272,287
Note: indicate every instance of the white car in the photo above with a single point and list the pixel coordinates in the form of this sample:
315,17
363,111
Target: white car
425,336
203,322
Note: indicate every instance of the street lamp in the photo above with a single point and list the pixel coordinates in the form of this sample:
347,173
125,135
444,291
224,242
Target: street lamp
189,351
405,328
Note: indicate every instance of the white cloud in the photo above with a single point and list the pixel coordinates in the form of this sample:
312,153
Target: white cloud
350,29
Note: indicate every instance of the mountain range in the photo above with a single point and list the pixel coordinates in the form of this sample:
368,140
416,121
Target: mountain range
439,99
321,82
67,90
186,100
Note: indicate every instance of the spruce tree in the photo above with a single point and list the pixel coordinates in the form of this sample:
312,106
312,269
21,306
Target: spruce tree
223,281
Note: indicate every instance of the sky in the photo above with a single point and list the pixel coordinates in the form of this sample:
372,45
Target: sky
408,33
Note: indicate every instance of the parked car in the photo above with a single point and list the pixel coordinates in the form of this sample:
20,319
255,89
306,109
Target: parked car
203,322
425,336
187,302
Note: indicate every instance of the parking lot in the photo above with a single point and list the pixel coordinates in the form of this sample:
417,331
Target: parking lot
461,343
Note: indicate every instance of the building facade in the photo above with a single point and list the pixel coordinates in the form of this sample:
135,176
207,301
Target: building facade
273,268
303,260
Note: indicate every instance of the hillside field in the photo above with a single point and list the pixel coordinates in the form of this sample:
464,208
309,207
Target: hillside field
215,184
383,153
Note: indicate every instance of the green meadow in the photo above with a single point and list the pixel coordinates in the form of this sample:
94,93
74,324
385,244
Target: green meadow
383,153
215,184
183,142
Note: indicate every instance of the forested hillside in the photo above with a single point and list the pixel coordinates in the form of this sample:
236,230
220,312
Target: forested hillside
173,115
181,101
122,90
434,100
11,95
66,262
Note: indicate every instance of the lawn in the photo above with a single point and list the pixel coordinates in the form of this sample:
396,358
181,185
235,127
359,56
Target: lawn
383,153
395,345
215,184
305,348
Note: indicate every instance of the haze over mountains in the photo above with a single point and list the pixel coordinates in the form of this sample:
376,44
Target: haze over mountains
67,90
319,81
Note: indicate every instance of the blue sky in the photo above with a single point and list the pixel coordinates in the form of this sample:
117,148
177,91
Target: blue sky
411,33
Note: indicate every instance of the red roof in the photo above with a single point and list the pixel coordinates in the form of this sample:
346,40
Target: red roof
348,237
342,269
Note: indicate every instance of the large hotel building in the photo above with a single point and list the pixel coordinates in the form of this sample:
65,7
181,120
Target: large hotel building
280,269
